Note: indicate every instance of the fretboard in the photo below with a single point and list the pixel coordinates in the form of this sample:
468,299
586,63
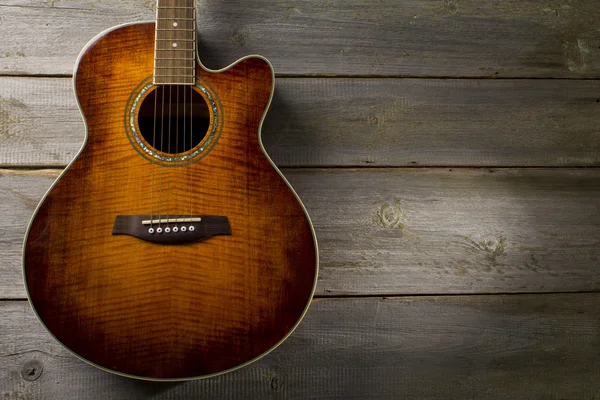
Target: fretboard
175,47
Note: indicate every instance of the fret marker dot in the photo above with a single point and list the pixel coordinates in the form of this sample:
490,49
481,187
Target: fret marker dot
174,44
175,24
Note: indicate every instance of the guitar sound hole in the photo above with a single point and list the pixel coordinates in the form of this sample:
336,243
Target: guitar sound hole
173,118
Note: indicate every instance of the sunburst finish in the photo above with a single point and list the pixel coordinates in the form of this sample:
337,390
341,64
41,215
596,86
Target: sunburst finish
169,311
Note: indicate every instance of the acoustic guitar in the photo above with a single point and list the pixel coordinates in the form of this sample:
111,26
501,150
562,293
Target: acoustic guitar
171,248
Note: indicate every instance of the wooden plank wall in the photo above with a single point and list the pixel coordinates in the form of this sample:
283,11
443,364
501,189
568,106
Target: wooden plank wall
447,151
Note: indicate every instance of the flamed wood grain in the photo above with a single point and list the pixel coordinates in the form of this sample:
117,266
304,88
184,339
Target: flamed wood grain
415,231
464,347
358,122
529,38
179,311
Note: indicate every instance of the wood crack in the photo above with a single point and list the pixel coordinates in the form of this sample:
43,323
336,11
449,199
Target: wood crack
20,353
52,5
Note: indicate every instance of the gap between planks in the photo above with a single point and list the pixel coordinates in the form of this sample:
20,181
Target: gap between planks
357,76
59,169
412,296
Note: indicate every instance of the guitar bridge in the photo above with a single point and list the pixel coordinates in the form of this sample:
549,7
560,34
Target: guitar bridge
172,229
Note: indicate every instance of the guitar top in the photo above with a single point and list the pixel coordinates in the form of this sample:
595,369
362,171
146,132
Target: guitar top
171,248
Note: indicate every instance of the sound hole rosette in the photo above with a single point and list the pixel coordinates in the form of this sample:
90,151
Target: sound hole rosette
190,156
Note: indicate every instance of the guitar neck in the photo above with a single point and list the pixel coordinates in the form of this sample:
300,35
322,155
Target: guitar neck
175,46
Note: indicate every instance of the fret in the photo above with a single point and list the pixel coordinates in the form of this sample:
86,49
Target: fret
175,83
189,64
164,41
188,42
192,49
178,19
172,80
172,71
168,47
176,30
186,76
177,75
167,60
191,46
173,67
173,58
171,30
184,36
179,40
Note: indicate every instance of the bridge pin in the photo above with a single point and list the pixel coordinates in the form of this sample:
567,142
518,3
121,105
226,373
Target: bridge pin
183,229
167,230
175,229
159,230
151,231
192,229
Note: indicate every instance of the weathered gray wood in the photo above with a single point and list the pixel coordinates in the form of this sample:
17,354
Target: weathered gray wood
528,38
412,231
40,123
466,347
358,122
19,194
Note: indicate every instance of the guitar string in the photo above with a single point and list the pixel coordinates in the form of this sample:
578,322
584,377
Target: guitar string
191,138
184,141
154,149
176,150
192,108
162,136
162,113
169,121
154,125
168,172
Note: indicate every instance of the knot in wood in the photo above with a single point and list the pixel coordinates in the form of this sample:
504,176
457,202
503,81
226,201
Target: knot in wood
32,370
451,7
390,216
276,383
493,246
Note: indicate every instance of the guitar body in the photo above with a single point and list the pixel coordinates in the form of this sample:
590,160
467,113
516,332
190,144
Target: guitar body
178,310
